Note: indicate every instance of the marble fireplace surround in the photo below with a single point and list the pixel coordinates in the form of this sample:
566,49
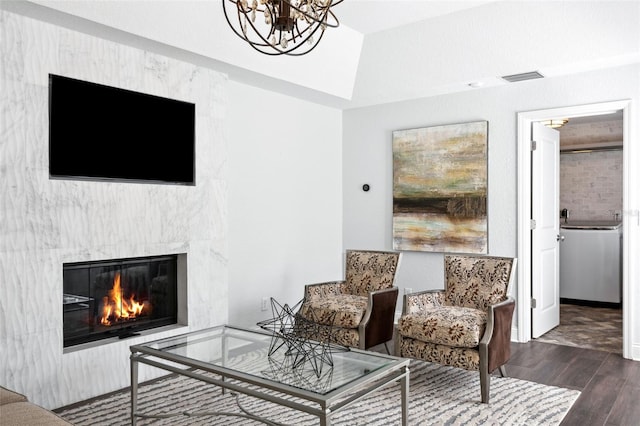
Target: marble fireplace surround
45,223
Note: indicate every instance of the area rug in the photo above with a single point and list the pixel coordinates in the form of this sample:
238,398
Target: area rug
438,396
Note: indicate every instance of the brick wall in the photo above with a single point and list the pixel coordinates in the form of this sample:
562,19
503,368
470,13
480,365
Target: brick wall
591,184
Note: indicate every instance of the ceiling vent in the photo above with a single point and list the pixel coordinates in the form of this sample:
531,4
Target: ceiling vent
522,77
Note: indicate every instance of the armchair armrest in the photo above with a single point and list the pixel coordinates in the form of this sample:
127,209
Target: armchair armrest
319,290
377,323
418,302
495,346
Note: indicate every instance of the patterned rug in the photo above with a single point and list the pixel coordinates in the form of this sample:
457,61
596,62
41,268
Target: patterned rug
438,396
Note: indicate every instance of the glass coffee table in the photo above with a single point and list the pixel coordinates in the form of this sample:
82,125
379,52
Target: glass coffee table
238,360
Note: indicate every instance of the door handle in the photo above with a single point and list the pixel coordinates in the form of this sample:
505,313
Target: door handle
560,237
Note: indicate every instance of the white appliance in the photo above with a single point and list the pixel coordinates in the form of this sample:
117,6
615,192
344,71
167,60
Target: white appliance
590,261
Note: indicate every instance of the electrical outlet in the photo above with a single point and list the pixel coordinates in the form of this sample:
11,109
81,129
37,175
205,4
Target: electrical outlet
265,304
408,290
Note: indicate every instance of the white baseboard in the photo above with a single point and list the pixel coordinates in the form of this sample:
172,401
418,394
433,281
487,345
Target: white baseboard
635,352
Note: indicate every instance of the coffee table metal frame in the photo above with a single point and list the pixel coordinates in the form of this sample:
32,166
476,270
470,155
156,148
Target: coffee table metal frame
324,406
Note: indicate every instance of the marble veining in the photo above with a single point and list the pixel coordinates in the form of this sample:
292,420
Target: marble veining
47,222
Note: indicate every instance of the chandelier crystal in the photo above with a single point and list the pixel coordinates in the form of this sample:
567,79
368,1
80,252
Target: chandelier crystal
281,27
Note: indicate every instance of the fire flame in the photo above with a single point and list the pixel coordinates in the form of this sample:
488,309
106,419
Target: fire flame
115,307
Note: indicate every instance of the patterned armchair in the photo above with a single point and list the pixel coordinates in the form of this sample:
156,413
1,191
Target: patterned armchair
466,325
357,311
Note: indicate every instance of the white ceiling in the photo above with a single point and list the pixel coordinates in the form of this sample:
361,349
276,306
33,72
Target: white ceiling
384,51
370,16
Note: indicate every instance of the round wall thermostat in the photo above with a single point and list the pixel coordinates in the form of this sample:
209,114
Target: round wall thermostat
365,187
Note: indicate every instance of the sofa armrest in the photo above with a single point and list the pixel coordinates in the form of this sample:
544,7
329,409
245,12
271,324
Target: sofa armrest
415,303
8,396
495,346
377,323
15,409
319,290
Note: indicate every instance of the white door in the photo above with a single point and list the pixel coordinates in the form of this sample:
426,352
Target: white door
545,259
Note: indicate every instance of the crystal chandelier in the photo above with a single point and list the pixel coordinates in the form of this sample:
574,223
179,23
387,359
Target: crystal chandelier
281,27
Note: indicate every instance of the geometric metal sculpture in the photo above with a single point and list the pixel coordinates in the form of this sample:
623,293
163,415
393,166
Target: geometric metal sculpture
290,330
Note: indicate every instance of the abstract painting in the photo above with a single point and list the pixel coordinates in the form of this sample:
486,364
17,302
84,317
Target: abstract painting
440,188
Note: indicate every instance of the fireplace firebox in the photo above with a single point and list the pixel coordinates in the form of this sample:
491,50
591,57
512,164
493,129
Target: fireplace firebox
118,298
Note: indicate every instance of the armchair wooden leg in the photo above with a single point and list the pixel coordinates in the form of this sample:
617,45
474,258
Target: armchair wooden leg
387,348
485,378
484,385
503,371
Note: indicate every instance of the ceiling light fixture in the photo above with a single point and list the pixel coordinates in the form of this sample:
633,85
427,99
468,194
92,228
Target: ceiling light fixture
555,123
281,27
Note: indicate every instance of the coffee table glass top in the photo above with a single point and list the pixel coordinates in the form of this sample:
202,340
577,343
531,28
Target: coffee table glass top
246,352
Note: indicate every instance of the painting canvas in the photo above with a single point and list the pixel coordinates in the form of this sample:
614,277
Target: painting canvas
440,188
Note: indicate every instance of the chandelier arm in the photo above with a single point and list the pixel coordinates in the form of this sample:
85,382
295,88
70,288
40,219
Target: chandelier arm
324,14
297,46
308,32
300,44
244,37
259,34
335,18
315,44
310,28
291,52
238,33
273,52
255,30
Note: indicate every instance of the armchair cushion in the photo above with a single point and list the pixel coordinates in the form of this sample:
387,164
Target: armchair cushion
446,325
441,354
476,282
344,310
422,301
338,335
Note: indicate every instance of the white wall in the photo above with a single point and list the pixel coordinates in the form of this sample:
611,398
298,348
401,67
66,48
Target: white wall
45,223
368,159
285,199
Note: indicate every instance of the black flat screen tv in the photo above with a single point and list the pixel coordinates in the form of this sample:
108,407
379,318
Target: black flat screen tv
97,132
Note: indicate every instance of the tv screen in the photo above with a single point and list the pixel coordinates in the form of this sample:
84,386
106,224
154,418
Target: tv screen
98,132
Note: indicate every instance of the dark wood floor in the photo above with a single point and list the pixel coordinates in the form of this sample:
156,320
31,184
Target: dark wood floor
609,384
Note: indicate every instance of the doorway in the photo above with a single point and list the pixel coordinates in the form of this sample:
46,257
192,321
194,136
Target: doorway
525,223
587,164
